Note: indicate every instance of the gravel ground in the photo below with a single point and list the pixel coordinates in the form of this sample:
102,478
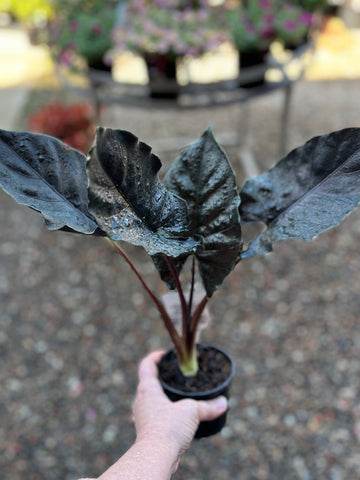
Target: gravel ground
74,324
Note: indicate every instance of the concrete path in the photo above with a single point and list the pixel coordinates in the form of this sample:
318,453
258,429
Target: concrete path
11,103
21,66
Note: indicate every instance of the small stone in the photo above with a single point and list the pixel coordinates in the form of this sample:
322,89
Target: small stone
110,434
290,420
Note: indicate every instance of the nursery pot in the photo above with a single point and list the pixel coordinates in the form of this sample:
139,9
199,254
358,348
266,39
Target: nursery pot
99,66
252,68
216,371
294,45
161,70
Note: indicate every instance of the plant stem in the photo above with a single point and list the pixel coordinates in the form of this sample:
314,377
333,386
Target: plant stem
237,261
189,366
188,363
184,307
175,337
191,296
196,317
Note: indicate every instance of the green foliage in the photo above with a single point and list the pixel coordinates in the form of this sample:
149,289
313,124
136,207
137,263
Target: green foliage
311,5
292,24
251,25
255,24
82,29
174,27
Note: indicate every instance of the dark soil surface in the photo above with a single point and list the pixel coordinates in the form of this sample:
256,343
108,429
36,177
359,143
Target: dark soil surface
214,370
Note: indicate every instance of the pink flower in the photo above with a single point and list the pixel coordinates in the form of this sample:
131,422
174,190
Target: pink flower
289,25
306,18
96,30
268,32
265,4
65,56
250,28
73,26
269,19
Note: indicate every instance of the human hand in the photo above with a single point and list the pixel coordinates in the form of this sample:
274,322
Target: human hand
157,419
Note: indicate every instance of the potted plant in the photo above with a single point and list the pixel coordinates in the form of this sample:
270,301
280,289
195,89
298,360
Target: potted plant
74,124
81,32
252,31
292,25
164,31
197,214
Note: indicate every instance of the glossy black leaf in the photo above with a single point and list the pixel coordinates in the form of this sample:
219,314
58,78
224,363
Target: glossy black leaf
311,190
43,173
202,175
128,200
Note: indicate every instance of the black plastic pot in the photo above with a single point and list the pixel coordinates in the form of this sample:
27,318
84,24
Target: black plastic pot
207,428
162,75
252,68
100,66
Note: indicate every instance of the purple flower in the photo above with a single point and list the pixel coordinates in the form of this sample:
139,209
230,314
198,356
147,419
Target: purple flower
269,19
306,18
289,25
96,30
265,4
268,32
250,28
65,56
73,26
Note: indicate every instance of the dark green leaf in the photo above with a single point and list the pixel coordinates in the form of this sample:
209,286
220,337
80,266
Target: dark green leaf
202,175
311,190
43,173
128,200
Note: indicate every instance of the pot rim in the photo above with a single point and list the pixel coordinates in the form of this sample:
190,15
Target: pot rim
207,393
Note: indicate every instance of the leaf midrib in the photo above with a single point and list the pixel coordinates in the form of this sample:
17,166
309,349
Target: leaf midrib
316,187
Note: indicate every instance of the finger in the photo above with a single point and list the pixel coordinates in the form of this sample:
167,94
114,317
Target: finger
148,374
148,365
211,409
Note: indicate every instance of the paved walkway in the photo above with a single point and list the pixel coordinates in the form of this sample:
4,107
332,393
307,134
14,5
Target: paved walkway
21,65
11,101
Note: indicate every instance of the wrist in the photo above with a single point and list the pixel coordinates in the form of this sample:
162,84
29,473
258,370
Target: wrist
164,450
149,458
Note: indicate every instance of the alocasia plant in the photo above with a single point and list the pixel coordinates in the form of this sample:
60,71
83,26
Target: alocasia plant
197,212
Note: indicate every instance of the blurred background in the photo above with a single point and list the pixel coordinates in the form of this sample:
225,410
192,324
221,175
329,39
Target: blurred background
74,323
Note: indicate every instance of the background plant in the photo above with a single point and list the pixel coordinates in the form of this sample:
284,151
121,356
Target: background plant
73,124
174,27
252,24
292,24
81,29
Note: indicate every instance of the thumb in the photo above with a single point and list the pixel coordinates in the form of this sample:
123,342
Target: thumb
211,409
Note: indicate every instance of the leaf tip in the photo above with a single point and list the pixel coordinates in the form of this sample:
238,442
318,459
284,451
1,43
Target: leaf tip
209,132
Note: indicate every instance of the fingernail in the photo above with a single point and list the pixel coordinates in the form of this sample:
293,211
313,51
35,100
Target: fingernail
221,404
